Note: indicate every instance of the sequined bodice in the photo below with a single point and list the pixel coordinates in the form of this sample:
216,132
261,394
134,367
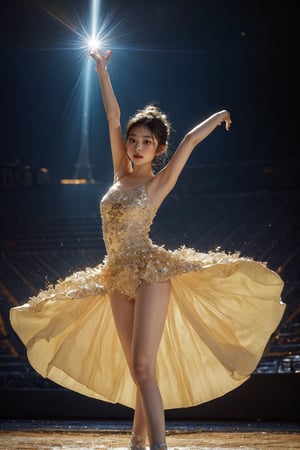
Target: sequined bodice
127,215
131,257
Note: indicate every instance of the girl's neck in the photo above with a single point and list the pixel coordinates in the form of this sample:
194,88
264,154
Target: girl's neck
141,172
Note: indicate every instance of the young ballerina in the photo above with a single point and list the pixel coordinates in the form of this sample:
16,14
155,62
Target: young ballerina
150,328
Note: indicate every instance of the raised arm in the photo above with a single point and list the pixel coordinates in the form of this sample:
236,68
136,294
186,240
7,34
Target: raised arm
167,177
121,163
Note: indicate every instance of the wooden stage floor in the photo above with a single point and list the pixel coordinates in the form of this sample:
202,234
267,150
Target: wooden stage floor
35,435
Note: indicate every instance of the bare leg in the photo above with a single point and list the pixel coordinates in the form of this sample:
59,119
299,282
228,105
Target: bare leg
123,312
139,422
151,308
140,325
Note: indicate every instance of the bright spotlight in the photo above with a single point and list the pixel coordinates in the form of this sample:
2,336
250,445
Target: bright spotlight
93,43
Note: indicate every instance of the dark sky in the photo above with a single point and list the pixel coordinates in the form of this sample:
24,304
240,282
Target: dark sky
191,57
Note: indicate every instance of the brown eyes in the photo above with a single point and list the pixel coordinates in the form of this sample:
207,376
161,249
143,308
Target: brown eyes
132,141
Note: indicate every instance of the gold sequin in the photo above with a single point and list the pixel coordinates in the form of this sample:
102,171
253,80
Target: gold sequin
132,258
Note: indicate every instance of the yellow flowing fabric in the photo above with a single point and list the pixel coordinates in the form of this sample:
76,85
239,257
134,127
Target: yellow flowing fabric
223,310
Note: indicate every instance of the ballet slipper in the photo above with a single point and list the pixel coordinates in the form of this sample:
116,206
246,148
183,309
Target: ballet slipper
137,442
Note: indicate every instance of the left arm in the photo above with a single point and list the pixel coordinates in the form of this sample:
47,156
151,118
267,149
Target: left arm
166,179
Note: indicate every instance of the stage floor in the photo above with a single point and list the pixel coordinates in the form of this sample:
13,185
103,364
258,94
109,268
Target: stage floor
63,435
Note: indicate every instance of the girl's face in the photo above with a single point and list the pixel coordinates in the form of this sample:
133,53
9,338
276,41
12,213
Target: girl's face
141,145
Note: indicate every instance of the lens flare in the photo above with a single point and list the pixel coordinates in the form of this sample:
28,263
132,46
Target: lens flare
93,43
89,26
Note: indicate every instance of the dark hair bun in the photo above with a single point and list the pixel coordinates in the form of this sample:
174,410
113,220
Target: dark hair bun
152,117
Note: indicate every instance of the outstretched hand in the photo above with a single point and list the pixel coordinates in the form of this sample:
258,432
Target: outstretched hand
100,57
227,119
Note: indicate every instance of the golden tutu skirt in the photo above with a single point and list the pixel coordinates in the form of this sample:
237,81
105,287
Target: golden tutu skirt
220,318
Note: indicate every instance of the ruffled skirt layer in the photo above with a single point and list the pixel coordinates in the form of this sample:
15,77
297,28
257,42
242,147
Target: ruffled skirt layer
219,321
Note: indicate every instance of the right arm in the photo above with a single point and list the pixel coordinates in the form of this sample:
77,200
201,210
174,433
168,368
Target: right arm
121,163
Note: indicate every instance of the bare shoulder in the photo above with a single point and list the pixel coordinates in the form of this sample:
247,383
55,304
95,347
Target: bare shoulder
122,172
157,189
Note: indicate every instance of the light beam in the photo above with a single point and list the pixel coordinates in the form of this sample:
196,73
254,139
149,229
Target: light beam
83,167
90,28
